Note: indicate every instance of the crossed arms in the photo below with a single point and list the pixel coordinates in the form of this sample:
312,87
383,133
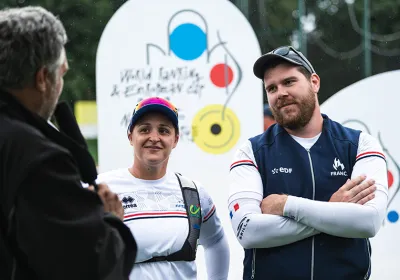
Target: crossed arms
356,210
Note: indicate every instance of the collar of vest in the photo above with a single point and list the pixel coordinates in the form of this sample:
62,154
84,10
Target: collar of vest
274,130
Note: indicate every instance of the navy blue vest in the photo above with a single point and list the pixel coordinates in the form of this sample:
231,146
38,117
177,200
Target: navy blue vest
286,167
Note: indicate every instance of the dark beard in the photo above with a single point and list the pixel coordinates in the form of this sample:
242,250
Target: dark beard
306,106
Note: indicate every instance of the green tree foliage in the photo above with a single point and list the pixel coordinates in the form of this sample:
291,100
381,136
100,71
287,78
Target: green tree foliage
335,47
84,21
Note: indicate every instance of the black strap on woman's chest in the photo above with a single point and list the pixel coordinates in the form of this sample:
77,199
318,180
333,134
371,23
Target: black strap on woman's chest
192,204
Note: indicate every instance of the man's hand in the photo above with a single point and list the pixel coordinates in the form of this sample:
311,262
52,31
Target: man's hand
357,190
110,200
274,204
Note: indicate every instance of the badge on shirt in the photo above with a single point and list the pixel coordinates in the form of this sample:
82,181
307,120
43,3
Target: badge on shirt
128,201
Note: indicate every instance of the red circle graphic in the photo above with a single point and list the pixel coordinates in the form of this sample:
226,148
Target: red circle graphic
390,178
221,75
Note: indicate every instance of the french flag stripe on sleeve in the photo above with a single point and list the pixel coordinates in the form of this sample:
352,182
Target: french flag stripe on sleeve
235,208
242,162
209,215
370,154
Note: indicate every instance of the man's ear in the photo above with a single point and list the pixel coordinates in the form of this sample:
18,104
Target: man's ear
315,82
41,79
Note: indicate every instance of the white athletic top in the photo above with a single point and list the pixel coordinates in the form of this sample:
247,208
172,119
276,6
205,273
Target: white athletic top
155,213
307,217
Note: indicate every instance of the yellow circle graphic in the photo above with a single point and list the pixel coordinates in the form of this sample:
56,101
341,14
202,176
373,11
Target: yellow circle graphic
215,129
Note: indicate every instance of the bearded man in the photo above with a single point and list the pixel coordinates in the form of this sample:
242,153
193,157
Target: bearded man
305,195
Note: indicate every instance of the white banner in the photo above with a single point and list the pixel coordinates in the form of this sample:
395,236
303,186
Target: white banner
199,55
370,105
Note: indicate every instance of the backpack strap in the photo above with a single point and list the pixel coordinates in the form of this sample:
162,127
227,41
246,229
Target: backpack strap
192,204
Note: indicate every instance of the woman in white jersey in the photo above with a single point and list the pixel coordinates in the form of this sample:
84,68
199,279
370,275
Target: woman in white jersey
165,220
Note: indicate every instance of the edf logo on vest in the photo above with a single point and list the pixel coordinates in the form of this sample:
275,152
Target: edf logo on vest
339,168
281,170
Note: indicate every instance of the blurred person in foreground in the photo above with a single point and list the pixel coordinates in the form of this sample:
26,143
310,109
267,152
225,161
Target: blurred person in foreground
268,117
50,226
168,213
308,193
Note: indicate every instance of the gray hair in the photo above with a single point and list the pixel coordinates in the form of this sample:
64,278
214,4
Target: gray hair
30,38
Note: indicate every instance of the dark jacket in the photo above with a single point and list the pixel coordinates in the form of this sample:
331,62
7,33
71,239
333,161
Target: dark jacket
50,226
312,174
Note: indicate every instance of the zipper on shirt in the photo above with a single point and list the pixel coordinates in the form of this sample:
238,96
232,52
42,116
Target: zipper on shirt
313,197
369,260
253,264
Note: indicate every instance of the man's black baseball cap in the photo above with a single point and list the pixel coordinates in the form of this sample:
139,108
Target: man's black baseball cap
287,53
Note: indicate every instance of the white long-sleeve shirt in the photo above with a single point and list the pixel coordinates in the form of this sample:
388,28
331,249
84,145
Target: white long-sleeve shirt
307,217
155,213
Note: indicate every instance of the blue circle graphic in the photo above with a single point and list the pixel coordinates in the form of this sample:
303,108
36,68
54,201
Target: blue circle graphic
188,41
393,216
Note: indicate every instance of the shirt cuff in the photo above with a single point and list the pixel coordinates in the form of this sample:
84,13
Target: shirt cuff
291,208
